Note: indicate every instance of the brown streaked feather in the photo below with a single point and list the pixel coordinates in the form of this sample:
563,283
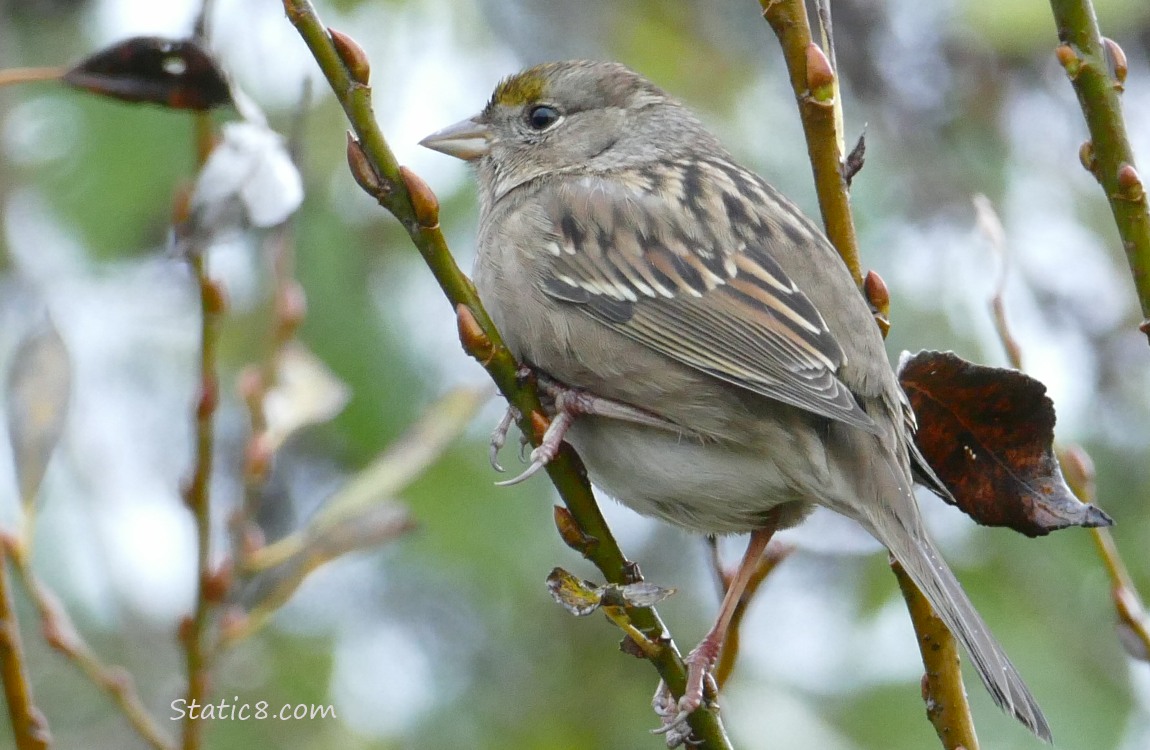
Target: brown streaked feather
698,285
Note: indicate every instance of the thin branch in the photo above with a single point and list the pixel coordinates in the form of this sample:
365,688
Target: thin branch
1133,622
11,76
1097,71
815,83
991,227
61,634
1127,603
942,688
201,28
29,726
289,306
413,204
1077,467
775,553
193,631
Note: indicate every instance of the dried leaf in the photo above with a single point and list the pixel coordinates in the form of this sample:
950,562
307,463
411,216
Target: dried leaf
38,390
306,392
641,594
988,434
577,596
175,73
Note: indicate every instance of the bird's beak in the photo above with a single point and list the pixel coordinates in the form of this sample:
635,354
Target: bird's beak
468,140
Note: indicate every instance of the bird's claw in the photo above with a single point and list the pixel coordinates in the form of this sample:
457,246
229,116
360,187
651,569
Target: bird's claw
499,437
547,450
563,404
673,719
531,470
673,714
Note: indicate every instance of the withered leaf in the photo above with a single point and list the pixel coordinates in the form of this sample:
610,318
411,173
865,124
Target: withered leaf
642,594
988,433
577,596
581,597
37,392
175,73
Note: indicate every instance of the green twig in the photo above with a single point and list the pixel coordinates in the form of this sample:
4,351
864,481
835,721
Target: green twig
413,204
1097,71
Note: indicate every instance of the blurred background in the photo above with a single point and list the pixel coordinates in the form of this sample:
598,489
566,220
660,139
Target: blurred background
446,637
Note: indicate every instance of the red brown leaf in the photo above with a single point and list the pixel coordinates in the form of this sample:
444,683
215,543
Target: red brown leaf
988,433
176,73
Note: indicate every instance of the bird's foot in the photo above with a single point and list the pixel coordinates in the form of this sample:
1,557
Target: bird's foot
673,713
564,404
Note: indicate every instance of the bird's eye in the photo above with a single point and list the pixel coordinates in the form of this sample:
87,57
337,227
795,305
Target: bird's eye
542,117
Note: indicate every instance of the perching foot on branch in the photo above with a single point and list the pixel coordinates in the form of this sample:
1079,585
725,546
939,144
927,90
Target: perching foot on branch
673,714
702,659
674,730
565,405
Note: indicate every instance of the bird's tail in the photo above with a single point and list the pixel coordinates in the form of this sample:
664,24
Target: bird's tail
895,521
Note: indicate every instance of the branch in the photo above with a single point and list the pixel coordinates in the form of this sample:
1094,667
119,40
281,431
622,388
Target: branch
29,727
1133,623
61,634
210,588
1127,603
774,554
12,76
408,198
1097,70
815,83
1077,467
197,496
942,688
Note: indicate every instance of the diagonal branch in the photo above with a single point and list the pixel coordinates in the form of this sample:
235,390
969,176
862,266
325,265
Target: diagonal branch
402,193
61,634
1097,70
29,728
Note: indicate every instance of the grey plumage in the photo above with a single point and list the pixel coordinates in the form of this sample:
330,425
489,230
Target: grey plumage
622,251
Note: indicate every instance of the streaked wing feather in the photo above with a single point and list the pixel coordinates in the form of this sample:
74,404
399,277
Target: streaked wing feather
688,272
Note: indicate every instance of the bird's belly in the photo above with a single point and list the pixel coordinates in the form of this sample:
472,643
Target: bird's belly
707,487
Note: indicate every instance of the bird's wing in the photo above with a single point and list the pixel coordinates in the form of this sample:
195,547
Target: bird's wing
683,264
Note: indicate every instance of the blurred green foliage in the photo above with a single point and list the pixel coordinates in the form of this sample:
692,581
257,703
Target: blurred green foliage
505,667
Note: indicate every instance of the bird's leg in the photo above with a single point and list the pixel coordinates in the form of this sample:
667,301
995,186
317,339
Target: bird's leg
583,402
567,404
703,657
